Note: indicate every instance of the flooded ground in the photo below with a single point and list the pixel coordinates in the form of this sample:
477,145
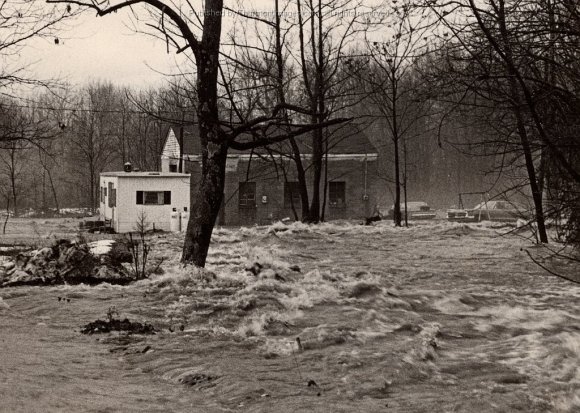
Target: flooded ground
438,317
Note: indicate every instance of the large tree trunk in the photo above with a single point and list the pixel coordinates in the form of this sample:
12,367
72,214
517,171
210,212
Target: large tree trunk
206,207
302,183
319,107
214,146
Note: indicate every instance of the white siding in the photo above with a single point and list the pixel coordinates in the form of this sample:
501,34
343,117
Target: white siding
171,151
127,211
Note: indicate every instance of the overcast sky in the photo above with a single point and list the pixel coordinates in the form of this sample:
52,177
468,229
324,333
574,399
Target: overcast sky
100,48
94,48
104,48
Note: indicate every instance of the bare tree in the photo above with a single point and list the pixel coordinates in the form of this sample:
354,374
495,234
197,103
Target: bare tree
388,72
91,136
198,31
20,22
299,61
511,50
22,129
13,168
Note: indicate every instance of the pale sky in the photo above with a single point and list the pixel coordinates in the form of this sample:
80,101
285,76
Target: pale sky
104,48
101,48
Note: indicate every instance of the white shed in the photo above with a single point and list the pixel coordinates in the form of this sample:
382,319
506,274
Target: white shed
125,196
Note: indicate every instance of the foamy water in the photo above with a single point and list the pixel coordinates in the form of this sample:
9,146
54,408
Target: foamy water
435,317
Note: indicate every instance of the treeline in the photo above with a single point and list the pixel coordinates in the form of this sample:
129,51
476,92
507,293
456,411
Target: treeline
54,146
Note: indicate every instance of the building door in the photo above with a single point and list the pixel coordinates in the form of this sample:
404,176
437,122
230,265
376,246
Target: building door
247,203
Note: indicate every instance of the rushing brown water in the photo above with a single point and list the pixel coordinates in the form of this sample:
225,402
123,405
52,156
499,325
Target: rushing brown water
435,318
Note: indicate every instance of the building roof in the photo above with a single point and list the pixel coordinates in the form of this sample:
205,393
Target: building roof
347,138
190,138
144,174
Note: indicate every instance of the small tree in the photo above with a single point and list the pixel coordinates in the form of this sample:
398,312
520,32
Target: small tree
389,74
140,247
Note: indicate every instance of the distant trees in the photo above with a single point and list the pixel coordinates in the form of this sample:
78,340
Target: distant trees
55,146
91,136
387,71
510,62
23,131
13,171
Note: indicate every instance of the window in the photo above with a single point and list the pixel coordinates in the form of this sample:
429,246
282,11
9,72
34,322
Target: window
247,194
336,194
102,195
173,168
112,196
153,197
292,195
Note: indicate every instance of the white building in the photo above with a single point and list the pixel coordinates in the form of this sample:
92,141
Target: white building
125,196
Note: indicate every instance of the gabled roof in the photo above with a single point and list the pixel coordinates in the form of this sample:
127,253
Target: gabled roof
171,147
191,145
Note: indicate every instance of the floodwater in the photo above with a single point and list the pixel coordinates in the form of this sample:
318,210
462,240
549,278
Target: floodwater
438,317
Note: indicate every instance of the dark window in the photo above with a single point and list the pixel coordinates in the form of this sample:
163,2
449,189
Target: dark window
111,195
102,195
153,197
336,194
173,168
247,194
292,194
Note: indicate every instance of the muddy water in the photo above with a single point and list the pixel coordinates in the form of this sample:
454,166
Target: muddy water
437,317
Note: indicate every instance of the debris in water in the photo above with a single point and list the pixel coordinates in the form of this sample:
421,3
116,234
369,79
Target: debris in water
300,348
131,327
197,379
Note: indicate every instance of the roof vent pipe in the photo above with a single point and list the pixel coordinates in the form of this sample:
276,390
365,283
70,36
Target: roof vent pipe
127,167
